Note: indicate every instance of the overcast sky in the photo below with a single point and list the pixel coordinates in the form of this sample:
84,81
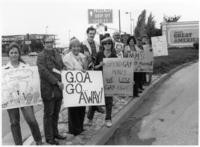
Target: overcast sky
68,18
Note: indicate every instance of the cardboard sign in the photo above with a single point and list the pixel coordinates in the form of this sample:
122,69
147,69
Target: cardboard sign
118,76
143,59
20,87
119,46
82,89
159,45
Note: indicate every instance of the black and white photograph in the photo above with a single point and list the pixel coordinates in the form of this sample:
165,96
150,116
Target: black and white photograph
99,72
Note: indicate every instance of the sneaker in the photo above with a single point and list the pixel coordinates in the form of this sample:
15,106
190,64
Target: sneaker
108,123
90,122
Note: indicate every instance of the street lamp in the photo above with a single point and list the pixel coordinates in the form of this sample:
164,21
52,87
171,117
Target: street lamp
46,29
131,30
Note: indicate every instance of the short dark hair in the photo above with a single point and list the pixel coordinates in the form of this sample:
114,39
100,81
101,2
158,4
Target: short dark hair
129,39
15,45
90,29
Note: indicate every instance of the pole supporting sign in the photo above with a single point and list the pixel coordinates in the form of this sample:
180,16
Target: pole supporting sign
100,16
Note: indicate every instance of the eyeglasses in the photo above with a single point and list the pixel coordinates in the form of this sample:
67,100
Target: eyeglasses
109,43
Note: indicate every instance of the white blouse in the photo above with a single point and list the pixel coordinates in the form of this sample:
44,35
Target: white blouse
73,62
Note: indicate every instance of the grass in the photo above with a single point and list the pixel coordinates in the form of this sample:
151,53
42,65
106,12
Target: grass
176,57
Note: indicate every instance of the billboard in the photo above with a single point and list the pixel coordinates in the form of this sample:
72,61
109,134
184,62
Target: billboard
100,16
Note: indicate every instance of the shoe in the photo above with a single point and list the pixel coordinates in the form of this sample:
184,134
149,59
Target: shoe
54,142
108,123
100,110
90,122
59,137
39,143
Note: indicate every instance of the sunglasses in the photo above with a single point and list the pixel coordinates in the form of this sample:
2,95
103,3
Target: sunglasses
109,43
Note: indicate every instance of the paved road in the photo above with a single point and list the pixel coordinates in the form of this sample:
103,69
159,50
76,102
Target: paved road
168,117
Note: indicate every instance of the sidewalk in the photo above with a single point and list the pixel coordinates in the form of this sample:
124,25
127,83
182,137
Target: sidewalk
119,103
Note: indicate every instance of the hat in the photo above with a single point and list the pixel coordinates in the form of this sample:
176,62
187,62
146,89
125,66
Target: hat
13,44
106,39
73,41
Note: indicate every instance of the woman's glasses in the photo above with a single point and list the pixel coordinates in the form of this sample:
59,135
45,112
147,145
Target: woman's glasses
107,43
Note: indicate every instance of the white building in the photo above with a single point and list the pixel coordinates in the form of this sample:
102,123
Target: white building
181,34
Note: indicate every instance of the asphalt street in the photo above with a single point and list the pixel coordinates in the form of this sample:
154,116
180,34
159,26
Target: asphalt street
168,117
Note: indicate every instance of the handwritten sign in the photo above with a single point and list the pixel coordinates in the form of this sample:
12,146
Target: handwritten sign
143,59
83,89
118,76
20,87
159,45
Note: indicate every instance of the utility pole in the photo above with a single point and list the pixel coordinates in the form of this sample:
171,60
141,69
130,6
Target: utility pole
119,22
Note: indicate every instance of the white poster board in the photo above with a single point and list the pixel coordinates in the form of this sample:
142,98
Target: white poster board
159,45
20,87
82,89
118,76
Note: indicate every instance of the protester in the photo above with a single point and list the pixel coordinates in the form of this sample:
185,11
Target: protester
15,61
50,64
90,48
108,52
141,75
130,49
147,41
75,60
118,45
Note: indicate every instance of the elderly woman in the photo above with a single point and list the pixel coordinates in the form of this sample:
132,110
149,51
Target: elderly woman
15,61
75,60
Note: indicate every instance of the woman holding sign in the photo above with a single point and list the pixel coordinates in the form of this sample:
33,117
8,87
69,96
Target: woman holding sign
28,111
108,52
75,60
128,51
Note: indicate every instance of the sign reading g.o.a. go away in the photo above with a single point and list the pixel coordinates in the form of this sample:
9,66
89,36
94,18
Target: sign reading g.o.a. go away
82,88
20,87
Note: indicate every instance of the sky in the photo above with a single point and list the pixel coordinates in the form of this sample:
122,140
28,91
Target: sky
68,18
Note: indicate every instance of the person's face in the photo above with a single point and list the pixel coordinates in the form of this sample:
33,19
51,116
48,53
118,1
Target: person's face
131,42
48,45
107,45
139,42
145,40
117,37
14,55
91,34
75,48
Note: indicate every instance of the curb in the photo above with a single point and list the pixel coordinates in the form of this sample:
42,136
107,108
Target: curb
103,135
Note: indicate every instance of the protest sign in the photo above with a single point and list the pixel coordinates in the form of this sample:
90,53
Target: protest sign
159,45
118,76
143,59
20,87
82,89
119,46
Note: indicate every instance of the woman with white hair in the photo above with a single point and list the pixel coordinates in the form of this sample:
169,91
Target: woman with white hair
75,60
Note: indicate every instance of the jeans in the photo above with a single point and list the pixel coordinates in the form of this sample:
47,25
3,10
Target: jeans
108,103
29,116
51,116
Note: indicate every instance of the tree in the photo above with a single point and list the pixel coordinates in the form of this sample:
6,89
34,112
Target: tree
171,18
140,28
151,29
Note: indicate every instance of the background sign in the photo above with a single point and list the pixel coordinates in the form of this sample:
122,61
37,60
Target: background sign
118,76
20,87
159,45
100,16
83,89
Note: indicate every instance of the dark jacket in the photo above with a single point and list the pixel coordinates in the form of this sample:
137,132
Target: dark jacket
46,62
